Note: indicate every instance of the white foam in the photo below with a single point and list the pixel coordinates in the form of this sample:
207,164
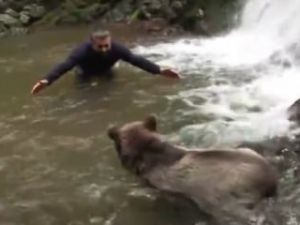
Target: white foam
264,47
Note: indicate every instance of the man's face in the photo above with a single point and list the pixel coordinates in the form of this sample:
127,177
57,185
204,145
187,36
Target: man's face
101,44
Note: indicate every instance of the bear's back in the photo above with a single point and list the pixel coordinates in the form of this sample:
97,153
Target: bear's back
216,176
228,169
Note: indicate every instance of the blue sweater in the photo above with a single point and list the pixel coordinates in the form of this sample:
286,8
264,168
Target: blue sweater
91,62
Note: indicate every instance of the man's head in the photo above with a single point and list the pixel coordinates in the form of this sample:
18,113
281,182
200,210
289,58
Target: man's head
101,40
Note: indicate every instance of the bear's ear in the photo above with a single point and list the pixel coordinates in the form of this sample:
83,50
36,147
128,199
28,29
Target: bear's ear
113,132
150,123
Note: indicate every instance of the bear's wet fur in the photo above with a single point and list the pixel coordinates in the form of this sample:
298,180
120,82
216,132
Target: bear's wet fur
220,182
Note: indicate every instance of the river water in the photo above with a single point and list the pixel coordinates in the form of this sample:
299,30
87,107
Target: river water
57,165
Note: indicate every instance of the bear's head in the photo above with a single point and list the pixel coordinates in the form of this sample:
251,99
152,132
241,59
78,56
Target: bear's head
133,140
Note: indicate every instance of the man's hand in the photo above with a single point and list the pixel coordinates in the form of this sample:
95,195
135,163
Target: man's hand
40,85
170,74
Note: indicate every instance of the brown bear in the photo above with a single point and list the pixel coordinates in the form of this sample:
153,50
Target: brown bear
221,182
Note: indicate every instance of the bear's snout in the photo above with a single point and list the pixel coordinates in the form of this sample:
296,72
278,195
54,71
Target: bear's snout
112,132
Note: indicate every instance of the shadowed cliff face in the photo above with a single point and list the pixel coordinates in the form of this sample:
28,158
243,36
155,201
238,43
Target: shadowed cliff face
203,17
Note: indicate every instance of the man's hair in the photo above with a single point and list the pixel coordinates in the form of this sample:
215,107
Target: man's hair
100,33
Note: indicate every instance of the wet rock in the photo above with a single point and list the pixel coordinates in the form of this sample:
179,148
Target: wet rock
2,27
144,14
24,18
117,15
3,30
67,13
193,19
12,13
9,20
3,34
201,27
279,59
16,31
120,12
71,12
200,13
15,5
177,5
34,11
94,10
294,112
185,13
153,6
82,3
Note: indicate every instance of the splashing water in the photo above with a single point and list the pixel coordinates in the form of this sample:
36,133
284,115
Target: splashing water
251,75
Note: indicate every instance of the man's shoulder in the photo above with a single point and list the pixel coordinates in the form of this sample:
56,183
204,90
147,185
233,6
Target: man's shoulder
82,48
118,46
85,45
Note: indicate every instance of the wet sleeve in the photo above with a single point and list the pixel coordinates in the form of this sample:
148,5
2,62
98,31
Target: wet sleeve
63,67
139,61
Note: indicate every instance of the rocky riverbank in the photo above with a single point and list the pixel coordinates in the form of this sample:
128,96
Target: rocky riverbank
204,17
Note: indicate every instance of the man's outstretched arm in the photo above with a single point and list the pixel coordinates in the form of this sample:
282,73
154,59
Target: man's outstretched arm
145,64
59,70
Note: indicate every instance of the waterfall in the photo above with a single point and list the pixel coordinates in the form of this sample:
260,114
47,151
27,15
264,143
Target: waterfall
253,74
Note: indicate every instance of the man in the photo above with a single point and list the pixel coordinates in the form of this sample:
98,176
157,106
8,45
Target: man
96,57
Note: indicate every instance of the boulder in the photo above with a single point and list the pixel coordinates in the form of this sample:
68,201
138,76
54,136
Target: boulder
9,20
177,5
3,30
120,12
294,112
24,18
35,11
16,31
95,10
11,12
